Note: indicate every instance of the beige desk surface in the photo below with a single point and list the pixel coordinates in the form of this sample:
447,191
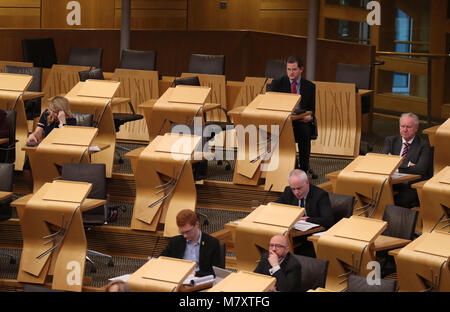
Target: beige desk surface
189,288
4,140
404,178
29,95
382,242
363,92
431,130
4,195
100,146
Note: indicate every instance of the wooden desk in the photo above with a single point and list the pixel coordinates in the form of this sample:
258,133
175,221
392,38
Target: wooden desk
381,243
4,140
294,233
29,95
4,195
189,288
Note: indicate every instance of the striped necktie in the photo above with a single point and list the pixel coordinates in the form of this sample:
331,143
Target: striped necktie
405,150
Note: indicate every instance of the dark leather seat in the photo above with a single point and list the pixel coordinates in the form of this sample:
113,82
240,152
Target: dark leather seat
314,272
341,205
142,60
8,153
41,52
207,64
358,283
86,56
6,185
275,69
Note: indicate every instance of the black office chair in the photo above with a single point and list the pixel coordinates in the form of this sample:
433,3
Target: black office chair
207,64
341,205
187,81
33,106
142,60
6,185
83,120
8,153
96,175
314,272
91,73
86,56
275,68
40,52
358,283
401,224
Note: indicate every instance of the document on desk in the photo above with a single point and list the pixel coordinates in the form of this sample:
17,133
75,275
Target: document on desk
195,280
123,278
304,226
397,175
94,149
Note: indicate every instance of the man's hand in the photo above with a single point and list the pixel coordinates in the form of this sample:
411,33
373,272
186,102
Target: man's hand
32,139
410,164
305,118
273,258
304,218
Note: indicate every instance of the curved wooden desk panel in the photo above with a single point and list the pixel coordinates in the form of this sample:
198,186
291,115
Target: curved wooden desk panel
441,149
140,86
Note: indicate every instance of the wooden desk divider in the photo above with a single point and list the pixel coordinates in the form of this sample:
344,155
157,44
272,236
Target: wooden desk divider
140,86
60,80
348,246
254,232
441,150
338,114
217,83
164,183
244,281
54,242
3,64
424,264
368,178
96,97
161,274
63,145
177,105
435,202
12,88
276,152
250,89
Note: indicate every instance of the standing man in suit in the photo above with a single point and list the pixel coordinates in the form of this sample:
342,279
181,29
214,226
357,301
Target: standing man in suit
279,263
304,128
416,155
193,244
315,200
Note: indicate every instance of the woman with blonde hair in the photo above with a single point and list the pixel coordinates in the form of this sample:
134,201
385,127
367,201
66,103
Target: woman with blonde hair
57,115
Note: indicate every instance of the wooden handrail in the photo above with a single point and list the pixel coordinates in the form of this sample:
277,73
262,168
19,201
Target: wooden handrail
412,54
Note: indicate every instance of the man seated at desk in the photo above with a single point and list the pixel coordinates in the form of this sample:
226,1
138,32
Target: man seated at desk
415,152
315,200
279,263
193,244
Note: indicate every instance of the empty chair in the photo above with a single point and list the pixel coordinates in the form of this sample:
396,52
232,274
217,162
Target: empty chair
187,81
91,73
6,185
84,120
314,272
41,52
341,205
33,106
207,64
358,283
96,175
275,69
401,222
8,150
86,56
142,60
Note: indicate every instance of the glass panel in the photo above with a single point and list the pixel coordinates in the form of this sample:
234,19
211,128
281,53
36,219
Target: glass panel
347,31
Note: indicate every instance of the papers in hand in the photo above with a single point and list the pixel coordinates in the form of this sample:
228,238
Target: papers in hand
304,226
94,149
123,278
195,280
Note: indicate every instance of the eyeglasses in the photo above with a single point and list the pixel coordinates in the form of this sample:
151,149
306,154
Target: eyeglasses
278,246
186,232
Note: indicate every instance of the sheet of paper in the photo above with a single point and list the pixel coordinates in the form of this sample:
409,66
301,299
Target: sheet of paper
304,226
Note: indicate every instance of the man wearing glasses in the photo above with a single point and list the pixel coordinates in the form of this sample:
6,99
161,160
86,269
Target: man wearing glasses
193,244
279,263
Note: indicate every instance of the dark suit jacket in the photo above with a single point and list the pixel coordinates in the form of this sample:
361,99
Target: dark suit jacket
209,252
288,276
307,91
418,153
318,206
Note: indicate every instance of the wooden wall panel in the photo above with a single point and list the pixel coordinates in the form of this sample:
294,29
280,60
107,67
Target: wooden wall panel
98,14
294,22
155,4
154,19
207,15
20,3
284,4
20,17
